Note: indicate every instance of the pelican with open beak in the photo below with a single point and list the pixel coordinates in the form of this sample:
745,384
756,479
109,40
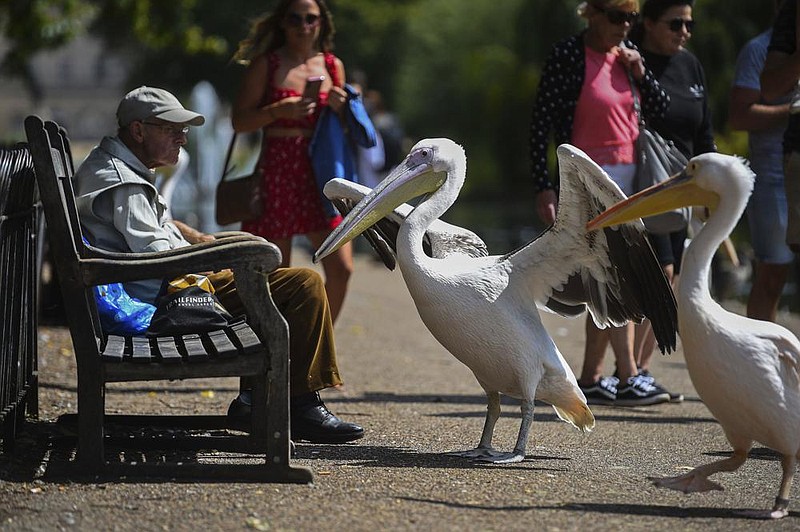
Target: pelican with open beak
482,308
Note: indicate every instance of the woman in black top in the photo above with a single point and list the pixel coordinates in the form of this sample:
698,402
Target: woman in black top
661,34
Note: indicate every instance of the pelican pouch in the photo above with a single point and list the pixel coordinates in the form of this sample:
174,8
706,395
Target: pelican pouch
187,305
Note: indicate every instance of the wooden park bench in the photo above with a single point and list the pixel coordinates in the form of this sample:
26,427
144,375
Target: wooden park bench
256,351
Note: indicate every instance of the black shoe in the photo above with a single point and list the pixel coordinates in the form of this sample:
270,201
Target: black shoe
638,391
239,412
674,397
239,416
602,392
312,421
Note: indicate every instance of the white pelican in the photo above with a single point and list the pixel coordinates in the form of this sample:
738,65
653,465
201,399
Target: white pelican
483,309
744,370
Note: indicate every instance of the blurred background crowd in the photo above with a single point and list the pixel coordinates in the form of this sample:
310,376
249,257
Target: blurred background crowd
428,68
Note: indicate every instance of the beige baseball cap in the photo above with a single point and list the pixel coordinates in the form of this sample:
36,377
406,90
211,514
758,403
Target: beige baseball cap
150,102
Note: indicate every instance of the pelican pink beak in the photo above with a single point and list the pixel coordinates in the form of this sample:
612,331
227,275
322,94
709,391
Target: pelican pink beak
409,180
681,190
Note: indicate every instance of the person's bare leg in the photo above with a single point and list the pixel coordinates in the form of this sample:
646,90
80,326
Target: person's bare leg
622,344
594,350
644,342
765,294
338,268
285,246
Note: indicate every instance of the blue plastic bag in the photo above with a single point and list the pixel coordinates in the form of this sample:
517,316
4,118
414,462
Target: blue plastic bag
120,313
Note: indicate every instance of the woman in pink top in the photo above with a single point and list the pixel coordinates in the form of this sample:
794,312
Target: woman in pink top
585,97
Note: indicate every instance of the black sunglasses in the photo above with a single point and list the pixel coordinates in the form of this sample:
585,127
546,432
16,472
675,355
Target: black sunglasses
615,16
297,20
677,24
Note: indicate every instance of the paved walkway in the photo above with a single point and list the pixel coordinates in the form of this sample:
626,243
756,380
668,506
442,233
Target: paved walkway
417,402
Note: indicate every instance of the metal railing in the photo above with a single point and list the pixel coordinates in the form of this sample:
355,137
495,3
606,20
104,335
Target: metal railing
20,222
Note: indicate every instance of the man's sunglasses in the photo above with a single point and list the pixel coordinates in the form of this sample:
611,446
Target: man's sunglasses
175,130
677,24
297,20
615,16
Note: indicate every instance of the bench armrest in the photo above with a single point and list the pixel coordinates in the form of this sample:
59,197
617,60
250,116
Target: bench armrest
229,234
102,267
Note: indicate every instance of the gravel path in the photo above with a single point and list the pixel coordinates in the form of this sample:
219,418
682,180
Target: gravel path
416,402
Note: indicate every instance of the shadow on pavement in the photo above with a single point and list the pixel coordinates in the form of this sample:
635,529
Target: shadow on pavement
383,456
601,413
620,509
46,452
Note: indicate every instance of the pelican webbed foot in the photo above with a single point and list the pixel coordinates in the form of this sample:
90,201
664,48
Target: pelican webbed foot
490,455
499,457
474,454
690,482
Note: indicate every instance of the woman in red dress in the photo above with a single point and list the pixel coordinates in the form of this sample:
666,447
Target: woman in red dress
283,50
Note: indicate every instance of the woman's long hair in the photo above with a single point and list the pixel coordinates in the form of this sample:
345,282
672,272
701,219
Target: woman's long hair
267,35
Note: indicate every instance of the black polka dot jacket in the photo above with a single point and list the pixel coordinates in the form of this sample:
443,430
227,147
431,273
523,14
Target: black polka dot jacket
554,107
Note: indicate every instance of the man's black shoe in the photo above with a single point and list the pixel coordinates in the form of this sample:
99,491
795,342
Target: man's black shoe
312,421
239,412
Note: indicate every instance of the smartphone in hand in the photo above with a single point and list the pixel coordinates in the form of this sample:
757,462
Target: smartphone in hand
311,90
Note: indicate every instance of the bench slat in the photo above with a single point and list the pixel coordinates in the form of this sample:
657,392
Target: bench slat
190,347
246,337
140,349
168,350
115,347
221,345
194,347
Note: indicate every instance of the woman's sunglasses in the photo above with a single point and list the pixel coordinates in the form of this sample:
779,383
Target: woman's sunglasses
677,24
615,16
296,19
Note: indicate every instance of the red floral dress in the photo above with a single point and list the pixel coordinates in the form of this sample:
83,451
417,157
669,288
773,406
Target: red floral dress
292,204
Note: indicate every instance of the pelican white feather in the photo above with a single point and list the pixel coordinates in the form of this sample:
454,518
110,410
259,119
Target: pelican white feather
744,370
483,309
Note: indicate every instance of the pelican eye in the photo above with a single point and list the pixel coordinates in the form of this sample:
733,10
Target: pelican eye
421,156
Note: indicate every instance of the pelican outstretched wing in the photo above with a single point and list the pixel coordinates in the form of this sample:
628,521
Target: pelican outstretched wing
614,273
441,238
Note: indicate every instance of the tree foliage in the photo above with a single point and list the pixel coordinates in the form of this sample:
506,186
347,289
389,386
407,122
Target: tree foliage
467,70
34,25
147,26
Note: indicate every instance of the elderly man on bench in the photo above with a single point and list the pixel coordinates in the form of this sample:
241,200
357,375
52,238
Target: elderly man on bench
121,210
